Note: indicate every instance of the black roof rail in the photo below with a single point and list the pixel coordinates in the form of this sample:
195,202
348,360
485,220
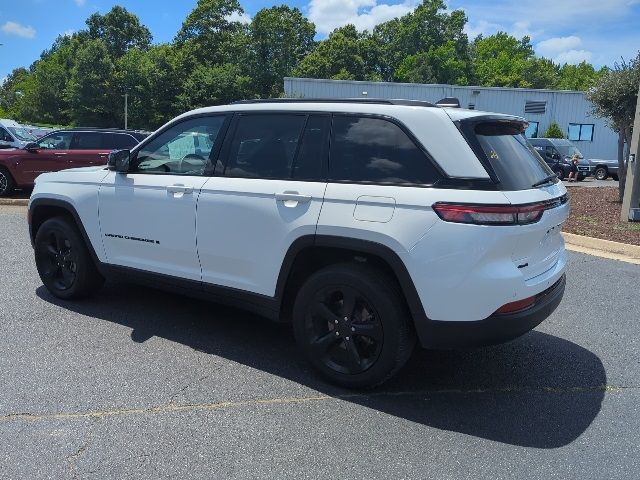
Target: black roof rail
380,101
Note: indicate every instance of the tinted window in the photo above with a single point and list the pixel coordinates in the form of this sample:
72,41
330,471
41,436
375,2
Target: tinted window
313,150
183,149
117,141
376,150
87,141
516,163
4,135
57,141
264,146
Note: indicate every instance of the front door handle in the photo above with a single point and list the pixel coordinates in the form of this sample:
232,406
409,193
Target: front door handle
292,197
177,188
60,153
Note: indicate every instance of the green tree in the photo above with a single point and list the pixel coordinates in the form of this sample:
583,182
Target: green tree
120,30
502,60
280,37
208,34
614,96
430,33
11,89
554,131
341,57
92,96
438,65
578,77
214,85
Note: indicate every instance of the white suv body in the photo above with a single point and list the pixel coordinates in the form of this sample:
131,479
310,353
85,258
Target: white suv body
272,193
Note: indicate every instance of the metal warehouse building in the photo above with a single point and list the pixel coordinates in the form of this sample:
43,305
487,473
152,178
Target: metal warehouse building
571,110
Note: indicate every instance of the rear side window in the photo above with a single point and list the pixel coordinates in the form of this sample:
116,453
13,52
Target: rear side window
515,162
264,146
375,150
87,141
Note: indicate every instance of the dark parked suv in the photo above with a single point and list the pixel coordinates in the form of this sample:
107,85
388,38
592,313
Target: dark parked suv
61,149
557,152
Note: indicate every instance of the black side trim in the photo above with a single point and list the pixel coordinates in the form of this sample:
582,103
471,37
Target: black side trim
253,302
69,208
494,329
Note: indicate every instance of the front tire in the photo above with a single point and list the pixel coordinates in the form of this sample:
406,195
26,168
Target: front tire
63,260
7,184
353,325
601,173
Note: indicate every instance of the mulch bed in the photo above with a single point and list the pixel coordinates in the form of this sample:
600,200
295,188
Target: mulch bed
595,212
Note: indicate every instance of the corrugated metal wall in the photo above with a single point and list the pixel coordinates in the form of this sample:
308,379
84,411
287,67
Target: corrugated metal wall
563,107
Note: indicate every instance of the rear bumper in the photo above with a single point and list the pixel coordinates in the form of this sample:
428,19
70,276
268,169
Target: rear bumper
494,329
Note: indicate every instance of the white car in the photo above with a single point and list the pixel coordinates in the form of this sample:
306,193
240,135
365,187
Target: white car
366,224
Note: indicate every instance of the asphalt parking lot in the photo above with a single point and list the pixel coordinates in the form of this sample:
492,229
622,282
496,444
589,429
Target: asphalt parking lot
136,383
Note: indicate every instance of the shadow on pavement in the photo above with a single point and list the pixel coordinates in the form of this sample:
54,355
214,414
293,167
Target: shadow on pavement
538,391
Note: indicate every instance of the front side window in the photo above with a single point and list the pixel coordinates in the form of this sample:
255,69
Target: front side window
183,149
581,132
264,146
375,150
119,141
56,141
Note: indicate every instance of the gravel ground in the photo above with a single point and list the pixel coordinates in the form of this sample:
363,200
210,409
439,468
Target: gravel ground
136,383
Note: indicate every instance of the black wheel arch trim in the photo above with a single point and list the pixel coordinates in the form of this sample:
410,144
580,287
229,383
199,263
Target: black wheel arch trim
71,210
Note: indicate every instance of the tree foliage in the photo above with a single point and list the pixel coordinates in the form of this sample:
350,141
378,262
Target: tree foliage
218,56
614,96
554,131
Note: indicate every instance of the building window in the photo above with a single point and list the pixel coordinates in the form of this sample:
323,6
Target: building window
579,132
535,107
532,130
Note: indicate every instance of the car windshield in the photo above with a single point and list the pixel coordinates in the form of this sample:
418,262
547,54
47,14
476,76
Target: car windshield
22,134
569,151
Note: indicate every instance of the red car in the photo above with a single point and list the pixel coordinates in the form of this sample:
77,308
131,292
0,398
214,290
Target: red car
59,150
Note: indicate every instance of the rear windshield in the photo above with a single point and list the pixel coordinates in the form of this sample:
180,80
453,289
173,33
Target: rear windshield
514,161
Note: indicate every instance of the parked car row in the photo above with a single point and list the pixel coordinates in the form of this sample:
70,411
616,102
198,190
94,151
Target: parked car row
557,153
60,149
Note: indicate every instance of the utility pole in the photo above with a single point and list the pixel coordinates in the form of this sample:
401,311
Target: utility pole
631,201
126,110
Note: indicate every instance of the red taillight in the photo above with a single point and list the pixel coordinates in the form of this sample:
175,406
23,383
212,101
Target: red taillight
490,214
517,306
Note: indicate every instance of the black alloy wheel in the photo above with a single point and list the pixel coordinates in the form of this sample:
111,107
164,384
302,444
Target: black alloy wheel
343,330
58,260
63,261
352,323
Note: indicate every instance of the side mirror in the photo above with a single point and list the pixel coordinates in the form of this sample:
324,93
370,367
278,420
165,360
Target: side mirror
119,161
32,147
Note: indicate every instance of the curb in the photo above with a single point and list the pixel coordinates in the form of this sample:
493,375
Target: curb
22,202
603,248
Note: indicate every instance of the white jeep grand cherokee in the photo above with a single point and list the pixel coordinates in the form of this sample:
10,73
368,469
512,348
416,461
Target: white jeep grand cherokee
364,223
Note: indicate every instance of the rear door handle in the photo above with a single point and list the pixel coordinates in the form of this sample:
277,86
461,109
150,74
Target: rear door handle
292,197
179,189
60,153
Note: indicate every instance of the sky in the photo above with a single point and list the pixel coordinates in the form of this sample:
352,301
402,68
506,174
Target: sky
598,31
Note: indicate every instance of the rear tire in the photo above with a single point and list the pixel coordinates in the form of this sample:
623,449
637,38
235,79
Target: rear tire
614,177
63,260
7,184
560,173
601,173
353,325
